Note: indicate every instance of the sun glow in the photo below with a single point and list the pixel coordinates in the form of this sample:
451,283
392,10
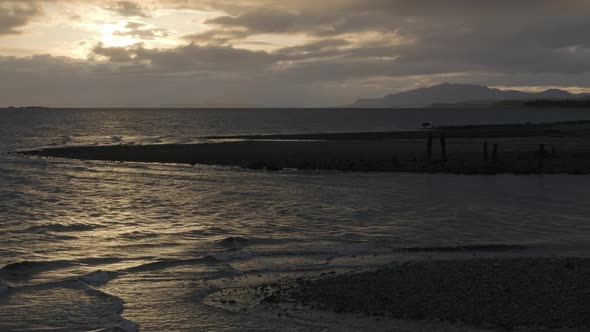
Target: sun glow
109,37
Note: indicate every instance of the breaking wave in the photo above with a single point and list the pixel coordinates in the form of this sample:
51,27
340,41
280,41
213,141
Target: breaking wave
25,268
98,277
234,242
67,305
238,242
169,263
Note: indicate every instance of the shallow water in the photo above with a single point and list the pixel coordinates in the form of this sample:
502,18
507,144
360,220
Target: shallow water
166,236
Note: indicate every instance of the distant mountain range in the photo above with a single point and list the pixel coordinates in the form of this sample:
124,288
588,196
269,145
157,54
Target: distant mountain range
466,95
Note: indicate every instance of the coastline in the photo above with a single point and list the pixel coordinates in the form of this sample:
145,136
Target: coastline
524,294
555,148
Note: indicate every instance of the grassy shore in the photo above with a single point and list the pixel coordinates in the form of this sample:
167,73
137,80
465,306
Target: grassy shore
566,149
501,294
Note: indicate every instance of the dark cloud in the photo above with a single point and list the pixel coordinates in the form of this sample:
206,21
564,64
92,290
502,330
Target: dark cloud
317,48
16,14
114,54
507,44
478,8
206,58
127,8
92,83
265,21
346,49
217,36
220,59
427,44
279,21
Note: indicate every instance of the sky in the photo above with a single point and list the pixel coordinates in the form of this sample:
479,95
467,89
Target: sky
279,53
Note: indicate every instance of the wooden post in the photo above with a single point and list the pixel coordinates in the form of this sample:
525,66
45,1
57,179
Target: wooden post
494,158
485,150
429,147
541,156
443,147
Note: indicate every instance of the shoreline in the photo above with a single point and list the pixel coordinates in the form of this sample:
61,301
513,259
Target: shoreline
552,129
529,294
556,148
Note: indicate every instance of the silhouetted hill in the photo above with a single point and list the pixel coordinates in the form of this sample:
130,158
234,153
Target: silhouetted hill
467,95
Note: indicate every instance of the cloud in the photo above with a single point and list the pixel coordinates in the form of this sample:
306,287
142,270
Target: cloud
317,48
265,20
141,31
127,8
316,53
217,36
114,54
190,58
16,14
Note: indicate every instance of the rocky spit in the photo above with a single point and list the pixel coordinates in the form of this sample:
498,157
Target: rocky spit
561,147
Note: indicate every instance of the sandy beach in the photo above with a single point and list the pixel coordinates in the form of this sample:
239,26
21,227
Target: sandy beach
521,149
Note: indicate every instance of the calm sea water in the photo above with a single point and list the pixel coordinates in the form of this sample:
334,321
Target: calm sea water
80,238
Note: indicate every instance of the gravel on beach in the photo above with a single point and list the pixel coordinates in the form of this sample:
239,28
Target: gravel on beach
502,293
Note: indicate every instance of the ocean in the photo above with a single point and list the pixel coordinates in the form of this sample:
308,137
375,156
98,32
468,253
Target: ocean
87,245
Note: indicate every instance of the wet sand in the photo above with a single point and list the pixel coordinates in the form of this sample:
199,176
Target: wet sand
511,293
566,149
